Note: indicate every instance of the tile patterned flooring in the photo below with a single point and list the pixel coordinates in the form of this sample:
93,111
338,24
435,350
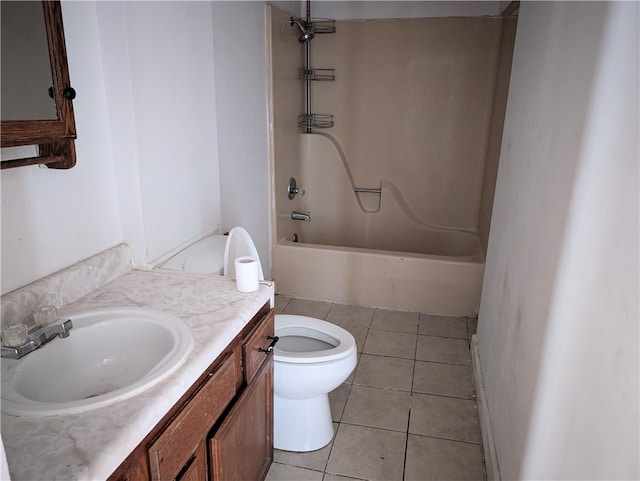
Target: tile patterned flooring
407,412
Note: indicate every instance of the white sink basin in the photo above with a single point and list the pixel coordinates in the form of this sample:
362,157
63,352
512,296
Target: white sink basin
110,355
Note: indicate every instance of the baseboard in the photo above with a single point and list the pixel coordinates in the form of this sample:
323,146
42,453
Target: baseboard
488,445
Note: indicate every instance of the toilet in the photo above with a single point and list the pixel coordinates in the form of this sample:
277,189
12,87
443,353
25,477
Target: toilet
311,359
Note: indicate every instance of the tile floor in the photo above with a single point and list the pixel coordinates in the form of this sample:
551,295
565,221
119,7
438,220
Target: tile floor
408,412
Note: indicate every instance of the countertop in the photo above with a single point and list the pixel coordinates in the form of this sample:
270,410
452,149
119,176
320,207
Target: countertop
91,445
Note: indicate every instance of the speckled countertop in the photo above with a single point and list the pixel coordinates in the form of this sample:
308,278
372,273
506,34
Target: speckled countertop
91,445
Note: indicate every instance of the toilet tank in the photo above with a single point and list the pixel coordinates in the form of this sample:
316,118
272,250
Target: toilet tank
203,257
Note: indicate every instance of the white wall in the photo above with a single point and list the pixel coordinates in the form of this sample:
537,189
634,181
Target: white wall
241,109
148,148
54,218
116,69
169,79
558,325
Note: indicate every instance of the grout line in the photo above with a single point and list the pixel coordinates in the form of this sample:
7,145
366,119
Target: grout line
418,360
374,427
390,357
406,439
447,363
471,443
445,395
329,311
464,339
406,445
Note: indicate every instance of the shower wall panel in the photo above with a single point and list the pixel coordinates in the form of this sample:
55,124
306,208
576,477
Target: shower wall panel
413,104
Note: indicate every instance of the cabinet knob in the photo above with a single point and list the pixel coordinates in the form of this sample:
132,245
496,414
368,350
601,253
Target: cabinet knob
69,93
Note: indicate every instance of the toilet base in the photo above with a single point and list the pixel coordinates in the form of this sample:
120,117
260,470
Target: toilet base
302,425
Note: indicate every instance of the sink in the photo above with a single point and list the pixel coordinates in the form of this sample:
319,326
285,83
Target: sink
110,355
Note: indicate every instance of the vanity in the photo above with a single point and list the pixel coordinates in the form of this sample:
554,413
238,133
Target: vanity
226,417
210,419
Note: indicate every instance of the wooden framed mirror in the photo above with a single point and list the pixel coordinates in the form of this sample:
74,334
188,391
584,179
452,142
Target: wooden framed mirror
53,132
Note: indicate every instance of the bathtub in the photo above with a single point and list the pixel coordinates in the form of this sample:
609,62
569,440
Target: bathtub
424,282
373,246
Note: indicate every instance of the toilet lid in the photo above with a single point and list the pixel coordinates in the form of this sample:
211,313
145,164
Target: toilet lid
239,244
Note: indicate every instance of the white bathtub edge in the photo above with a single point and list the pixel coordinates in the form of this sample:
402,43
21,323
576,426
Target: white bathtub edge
431,284
488,443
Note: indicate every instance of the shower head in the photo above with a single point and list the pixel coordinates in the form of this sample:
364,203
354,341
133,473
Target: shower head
307,31
306,36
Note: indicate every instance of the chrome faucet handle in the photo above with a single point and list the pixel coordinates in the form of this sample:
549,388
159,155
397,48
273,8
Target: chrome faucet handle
293,189
37,338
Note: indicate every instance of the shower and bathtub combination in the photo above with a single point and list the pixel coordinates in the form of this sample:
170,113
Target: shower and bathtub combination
364,246
392,204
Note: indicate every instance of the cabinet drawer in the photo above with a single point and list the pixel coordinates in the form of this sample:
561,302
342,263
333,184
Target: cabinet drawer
176,445
260,338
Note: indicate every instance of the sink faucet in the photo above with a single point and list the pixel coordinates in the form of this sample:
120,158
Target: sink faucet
38,337
300,216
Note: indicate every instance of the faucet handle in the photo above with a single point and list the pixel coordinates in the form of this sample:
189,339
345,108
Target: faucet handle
45,315
14,335
293,189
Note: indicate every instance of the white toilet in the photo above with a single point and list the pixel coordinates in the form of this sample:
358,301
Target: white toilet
311,359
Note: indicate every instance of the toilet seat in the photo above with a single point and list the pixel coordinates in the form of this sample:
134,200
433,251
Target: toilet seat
294,325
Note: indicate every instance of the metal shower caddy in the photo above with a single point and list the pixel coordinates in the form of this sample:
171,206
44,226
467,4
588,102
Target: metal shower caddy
311,27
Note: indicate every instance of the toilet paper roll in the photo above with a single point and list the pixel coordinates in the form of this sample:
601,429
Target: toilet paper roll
246,273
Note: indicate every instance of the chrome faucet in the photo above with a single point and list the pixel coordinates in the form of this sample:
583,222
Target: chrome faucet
300,216
38,337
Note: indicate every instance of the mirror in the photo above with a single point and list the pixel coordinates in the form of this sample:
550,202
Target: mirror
26,71
37,107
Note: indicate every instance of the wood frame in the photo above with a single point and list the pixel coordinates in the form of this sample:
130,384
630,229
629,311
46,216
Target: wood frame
54,137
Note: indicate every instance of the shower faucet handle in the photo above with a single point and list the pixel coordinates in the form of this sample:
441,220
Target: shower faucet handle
293,189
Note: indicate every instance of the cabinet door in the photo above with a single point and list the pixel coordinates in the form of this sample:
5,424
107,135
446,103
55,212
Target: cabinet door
242,448
196,469
173,451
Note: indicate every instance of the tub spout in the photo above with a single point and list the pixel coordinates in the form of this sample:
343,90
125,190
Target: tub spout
300,216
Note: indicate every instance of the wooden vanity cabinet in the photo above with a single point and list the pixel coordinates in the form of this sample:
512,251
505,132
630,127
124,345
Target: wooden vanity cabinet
222,428
242,447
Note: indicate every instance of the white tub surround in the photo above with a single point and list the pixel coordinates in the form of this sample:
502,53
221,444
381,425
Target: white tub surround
92,445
